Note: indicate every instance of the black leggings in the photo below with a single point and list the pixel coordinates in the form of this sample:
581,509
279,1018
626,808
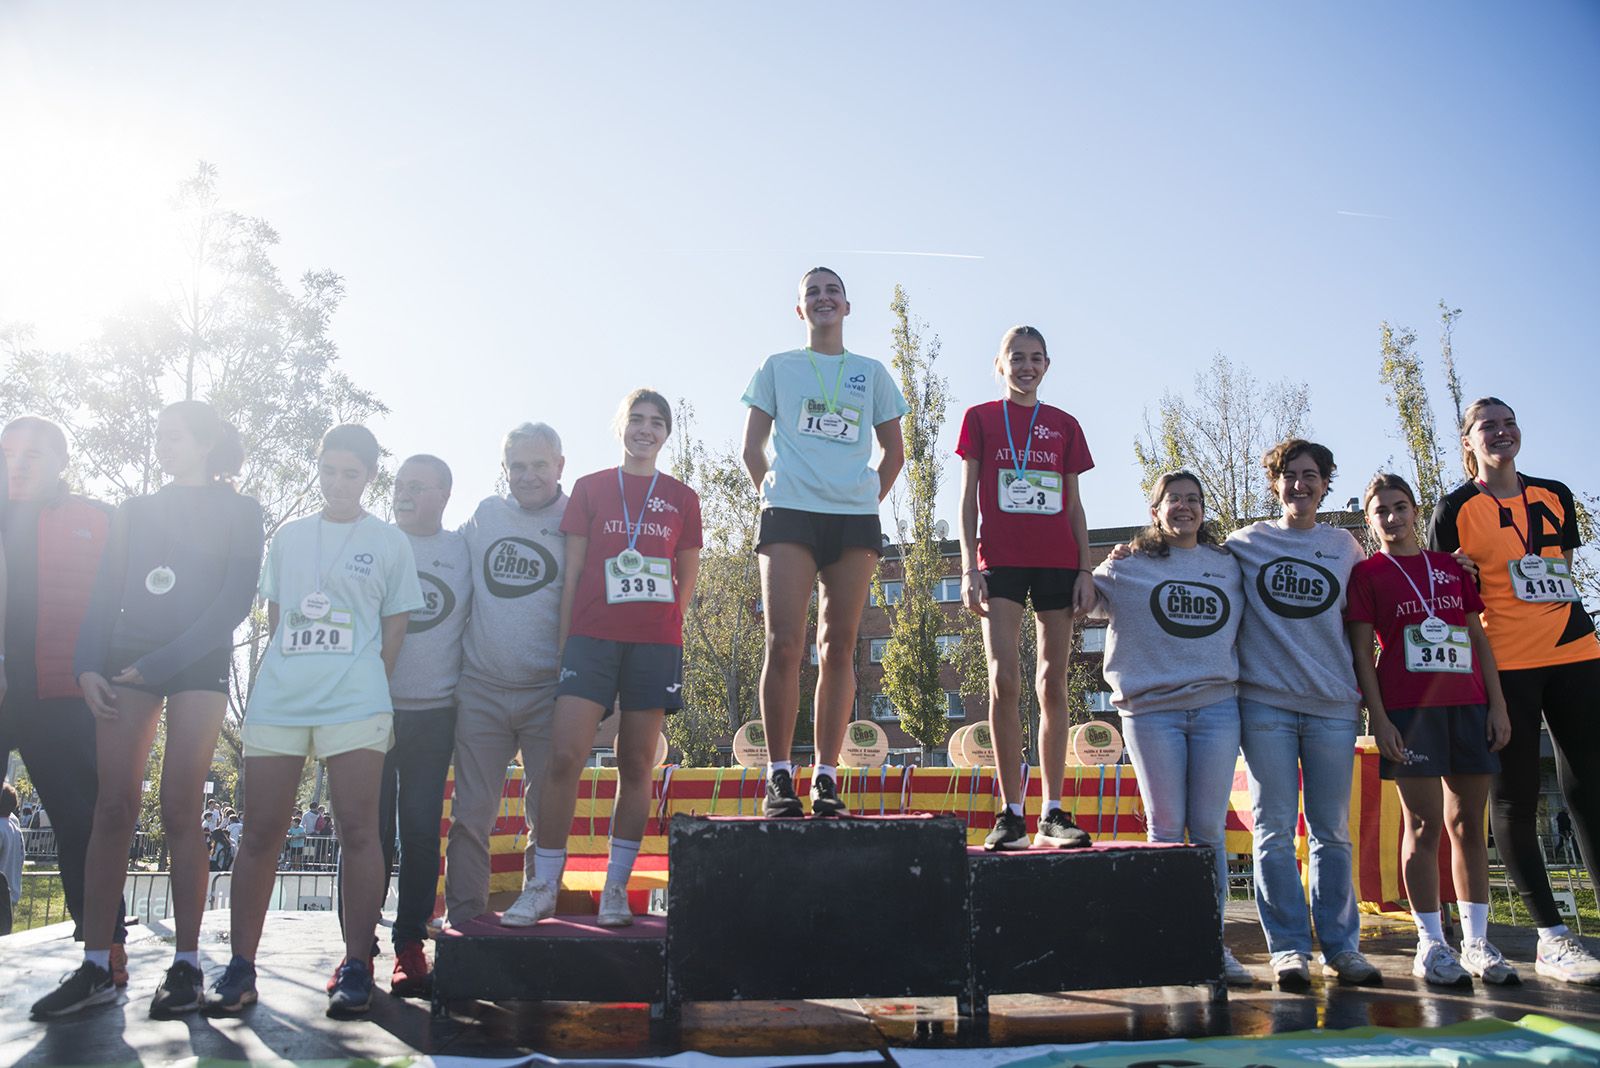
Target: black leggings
1568,695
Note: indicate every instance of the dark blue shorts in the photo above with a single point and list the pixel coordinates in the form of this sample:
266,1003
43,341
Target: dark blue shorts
1447,740
643,675
208,674
827,536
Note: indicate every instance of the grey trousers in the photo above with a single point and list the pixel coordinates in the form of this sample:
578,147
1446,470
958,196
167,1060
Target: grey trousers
493,723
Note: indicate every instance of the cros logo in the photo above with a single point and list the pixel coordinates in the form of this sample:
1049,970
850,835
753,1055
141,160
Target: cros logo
516,567
437,603
1189,609
1296,589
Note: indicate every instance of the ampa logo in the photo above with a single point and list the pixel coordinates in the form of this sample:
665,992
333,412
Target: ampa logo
516,567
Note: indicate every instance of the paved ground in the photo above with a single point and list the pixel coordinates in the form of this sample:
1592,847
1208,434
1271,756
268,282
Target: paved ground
301,950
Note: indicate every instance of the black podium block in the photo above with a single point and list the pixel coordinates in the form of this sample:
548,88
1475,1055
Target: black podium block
568,958
784,909
1125,915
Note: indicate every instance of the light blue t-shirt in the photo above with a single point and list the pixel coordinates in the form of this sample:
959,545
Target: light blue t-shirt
330,669
822,458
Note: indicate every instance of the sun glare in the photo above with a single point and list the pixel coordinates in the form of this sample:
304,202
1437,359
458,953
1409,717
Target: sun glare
85,223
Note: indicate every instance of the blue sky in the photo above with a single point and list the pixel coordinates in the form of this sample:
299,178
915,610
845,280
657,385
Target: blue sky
537,207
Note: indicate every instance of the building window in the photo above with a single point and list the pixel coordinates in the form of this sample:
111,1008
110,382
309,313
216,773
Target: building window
948,644
1094,639
875,649
815,660
891,592
882,707
954,709
1100,701
947,590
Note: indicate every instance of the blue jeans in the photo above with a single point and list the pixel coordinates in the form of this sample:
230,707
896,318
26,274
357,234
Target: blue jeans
410,808
1280,747
1185,763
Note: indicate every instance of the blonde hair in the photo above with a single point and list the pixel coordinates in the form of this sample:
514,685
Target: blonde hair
1469,459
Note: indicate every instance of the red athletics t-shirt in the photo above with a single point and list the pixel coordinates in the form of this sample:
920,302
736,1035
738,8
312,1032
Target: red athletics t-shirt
617,603
1380,595
1035,529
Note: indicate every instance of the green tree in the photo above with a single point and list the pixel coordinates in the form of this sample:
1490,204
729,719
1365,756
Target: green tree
912,657
230,331
722,633
1447,356
1220,433
1400,368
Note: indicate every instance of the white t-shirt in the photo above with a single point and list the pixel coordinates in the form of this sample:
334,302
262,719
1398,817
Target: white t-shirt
324,665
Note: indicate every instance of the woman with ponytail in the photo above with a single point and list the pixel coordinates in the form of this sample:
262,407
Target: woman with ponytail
177,579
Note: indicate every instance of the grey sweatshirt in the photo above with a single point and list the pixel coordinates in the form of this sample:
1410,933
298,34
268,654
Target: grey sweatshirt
516,557
430,660
1293,651
1172,625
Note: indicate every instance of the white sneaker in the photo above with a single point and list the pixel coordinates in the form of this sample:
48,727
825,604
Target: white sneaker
1563,957
1235,973
536,902
1436,965
1479,957
1291,970
614,910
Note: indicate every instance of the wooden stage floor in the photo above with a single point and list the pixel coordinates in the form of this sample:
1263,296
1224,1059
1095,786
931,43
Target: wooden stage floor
301,949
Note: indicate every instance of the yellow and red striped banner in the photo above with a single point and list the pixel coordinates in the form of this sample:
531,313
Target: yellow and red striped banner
1104,801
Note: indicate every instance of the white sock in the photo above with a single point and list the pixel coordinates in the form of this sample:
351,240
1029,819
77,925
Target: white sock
1474,919
1016,810
191,958
620,864
100,958
1428,926
780,765
824,769
1050,805
548,864
1552,932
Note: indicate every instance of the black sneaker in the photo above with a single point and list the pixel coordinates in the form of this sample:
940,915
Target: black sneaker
89,985
825,798
781,802
183,990
352,990
235,990
1010,832
1057,829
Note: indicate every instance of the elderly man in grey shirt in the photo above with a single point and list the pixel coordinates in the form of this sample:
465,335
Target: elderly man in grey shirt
506,696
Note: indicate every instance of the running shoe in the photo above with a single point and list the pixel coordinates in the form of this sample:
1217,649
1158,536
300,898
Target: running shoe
1436,965
89,985
352,992
614,910
1352,968
235,990
1563,957
410,978
1480,957
825,798
1235,973
182,990
1291,970
1010,832
781,801
536,902
1057,829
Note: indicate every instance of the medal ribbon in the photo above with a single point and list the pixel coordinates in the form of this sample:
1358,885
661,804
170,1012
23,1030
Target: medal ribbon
322,577
1431,604
1527,514
831,403
628,528
1019,461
